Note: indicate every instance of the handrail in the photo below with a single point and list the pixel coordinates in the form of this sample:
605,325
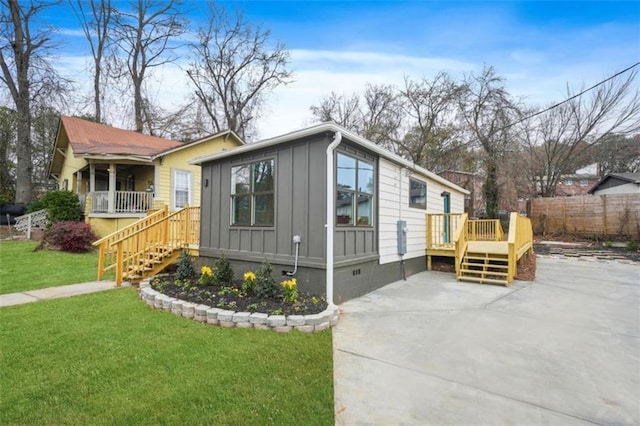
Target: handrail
461,238
520,241
441,229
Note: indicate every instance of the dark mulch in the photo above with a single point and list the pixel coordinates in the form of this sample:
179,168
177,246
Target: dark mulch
234,299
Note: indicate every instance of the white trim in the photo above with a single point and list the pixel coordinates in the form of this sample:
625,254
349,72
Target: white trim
330,215
333,128
173,187
198,142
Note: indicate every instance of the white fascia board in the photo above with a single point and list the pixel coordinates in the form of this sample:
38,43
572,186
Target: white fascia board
111,158
329,127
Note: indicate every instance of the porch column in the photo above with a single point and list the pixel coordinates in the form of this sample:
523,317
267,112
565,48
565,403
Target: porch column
79,182
112,188
92,177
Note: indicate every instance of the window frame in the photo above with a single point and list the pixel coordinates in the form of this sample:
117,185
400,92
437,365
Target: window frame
413,205
174,188
252,194
356,192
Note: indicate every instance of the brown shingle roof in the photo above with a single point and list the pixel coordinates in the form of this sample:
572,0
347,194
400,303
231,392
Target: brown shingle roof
87,137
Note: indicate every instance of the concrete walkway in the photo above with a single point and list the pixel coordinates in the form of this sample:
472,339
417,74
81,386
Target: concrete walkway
55,292
564,349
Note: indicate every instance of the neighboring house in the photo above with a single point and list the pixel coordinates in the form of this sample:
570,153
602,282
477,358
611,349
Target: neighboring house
617,183
325,203
119,175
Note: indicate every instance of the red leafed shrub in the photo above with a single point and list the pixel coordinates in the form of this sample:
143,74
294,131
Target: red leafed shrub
74,237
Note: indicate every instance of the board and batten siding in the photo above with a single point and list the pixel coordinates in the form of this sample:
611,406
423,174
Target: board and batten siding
393,205
300,207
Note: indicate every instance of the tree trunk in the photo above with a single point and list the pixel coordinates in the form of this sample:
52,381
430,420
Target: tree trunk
491,190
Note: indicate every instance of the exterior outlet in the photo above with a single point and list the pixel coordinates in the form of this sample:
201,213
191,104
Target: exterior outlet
297,239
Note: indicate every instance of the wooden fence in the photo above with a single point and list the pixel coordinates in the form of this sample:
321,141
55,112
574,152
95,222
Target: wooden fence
613,215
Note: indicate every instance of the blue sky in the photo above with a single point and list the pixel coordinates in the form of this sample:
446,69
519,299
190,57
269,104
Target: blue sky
539,47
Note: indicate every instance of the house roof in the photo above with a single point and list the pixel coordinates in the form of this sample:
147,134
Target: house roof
89,138
624,177
328,127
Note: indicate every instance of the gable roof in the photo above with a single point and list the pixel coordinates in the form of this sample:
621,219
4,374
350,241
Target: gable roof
624,177
89,138
226,134
328,127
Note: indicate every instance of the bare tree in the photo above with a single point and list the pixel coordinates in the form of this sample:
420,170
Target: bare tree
96,25
487,110
566,136
28,76
235,68
8,125
618,154
147,35
342,110
430,106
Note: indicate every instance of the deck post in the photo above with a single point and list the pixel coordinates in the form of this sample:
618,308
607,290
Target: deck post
119,264
101,262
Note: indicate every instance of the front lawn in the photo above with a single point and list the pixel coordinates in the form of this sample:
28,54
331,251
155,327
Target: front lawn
23,269
107,358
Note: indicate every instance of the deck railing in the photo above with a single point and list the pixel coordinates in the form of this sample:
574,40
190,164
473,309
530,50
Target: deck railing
461,239
485,230
520,241
122,201
442,228
159,231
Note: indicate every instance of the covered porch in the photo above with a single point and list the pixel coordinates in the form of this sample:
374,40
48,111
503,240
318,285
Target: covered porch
115,189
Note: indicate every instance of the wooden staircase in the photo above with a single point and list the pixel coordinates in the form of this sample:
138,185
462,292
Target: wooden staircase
149,245
481,251
483,268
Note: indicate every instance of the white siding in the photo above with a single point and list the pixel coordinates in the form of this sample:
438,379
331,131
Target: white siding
393,205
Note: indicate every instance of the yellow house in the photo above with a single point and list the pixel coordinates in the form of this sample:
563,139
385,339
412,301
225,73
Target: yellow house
119,175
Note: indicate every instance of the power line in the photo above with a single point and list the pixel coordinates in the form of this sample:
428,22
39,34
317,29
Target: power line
572,97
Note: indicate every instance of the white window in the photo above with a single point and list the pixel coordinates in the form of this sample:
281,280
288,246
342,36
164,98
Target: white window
181,188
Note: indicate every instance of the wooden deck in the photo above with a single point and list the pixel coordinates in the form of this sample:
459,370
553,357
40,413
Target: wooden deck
489,247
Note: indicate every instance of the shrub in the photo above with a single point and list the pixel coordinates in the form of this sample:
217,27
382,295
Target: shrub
186,270
74,237
223,272
266,286
632,245
60,205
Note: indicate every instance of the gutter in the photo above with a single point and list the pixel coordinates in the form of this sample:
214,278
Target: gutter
337,138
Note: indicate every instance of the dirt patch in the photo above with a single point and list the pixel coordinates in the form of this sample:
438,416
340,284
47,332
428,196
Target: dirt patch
527,268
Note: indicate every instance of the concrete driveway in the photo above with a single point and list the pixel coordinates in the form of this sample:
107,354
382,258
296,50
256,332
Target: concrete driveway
564,349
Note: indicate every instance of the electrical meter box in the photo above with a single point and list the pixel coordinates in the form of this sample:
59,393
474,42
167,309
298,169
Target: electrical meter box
402,237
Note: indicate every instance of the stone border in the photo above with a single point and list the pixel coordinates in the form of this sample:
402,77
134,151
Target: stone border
225,318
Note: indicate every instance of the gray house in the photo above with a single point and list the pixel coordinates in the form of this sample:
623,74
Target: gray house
617,183
338,212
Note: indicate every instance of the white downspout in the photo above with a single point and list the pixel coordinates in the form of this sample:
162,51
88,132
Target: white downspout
330,215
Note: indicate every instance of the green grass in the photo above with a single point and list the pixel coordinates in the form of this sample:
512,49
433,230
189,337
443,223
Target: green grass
23,269
107,358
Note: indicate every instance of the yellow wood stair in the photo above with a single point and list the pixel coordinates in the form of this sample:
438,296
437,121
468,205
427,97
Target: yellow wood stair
485,268
151,262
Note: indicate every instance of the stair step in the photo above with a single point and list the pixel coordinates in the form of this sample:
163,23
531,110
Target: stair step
485,265
482,280
483,258
479,271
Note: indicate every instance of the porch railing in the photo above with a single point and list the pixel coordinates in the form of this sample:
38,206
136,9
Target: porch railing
27,222
441,229
121,201
485,230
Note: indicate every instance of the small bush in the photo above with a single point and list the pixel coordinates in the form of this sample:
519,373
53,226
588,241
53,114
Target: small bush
266,286
632,245
61,206
223,272
74,237
186,270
